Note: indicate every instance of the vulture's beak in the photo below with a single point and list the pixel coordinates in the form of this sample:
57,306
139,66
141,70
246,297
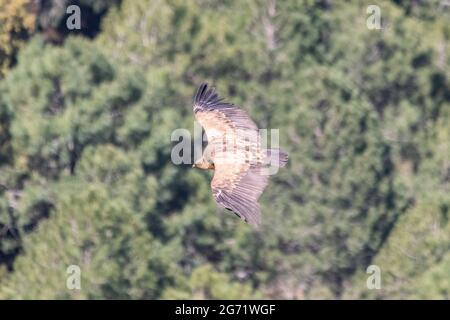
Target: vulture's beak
193,166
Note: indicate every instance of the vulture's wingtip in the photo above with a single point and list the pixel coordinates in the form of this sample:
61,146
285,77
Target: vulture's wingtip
206,97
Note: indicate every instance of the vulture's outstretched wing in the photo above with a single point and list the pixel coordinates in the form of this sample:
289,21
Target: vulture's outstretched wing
238,188
218,117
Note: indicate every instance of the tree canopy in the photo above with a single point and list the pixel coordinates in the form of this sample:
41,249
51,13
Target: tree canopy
86,176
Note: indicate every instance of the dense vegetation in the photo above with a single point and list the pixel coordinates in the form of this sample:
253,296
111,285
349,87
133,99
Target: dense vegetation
86,176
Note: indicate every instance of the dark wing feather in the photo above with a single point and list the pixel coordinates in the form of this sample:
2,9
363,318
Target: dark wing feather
217,116
238,189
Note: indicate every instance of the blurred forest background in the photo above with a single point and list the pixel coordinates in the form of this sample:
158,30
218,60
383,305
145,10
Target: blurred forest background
85,171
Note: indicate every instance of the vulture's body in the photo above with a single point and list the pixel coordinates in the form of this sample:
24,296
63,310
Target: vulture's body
234,153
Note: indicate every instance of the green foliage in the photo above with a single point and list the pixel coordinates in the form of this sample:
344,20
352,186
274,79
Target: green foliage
206,283
86,177
104,237
415,259
17,21
52,16
64,92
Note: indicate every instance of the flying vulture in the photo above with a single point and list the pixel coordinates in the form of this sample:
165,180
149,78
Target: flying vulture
234,152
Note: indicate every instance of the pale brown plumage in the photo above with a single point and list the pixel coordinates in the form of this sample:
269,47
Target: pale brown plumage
234,152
